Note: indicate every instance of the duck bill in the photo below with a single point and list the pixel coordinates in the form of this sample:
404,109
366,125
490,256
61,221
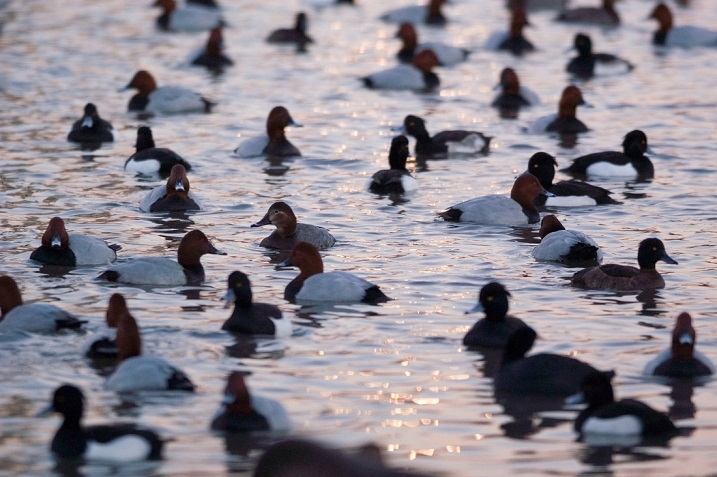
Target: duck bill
229,298
264,221
179,186
45,411
87,122
213,250
667,259
475,309
56,242
285,264
577,398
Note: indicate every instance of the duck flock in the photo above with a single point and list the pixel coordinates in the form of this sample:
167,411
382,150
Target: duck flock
535,201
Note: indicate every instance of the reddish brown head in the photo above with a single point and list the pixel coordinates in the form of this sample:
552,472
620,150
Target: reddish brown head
407,33
278,119
129,341
178,183
571,98
117,307
425,61
684,337
509,81
525,189
663,15
143,82
549,224
307,258
10,296
193,245
236,395
55,235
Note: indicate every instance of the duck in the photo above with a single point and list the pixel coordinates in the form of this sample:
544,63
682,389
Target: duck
605,417
314,285
447,55
192,17
396,180
187,270
296,35
153,99
135,372
604,15
493,330
417,76
104,344
248,317
681,359
568,247
565,121
91,128
566,193
149,159
288,232
430,14
30,318
685,36
212,56
175,196
241,411
513,41
444,143
72,250
496,209
624,277
630,163
542,373
588,64
122,442
513,95
274,143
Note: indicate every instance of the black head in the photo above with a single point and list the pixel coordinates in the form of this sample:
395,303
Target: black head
238,283
398,154
597,389
414,126
583,44
68,400
519,343
493,298
651,251
144,138
635,143
542,165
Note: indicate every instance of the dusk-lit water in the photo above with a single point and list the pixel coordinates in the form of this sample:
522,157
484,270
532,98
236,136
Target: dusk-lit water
396,374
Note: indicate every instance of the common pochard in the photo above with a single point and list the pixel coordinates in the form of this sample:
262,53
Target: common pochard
313,284
153,99
103,346
496,209
681,359
565,121
274,143
417,76
604,15
685,36
212,56
447,55
174,196
244,412
429,14
513,95
191,17
72,250
187,270
512,41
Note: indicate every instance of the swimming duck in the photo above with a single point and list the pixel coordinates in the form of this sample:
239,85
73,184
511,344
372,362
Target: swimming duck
313,284
175,196
606,417
149,159
569,247
684,36
570,193
296,35
513,41
244,412
604,15
252,318
72,250
588,64
109,442
681,359
495,209
274,142
442,144
447,55
165,271
565,121
104,345
212,56
624,277
288,232
192,17
135,372
542,373
631,162
429,14
396,180
513,95
493,330
153,99
33,317
91,128
417,76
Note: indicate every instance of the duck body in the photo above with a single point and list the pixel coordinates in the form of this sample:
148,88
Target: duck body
402,77
289,232
211,56
192,17
568,247
605,15
175,196
444,143
624,277
588,64
91,128
147,373
681,359
274,143
683,36
296,35
113,442
153,99
631,163
430,14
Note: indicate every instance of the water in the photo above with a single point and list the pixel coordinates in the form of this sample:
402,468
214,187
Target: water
395,374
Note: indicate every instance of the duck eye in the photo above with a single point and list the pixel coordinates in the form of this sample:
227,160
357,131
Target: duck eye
489,299
535,166
654,249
